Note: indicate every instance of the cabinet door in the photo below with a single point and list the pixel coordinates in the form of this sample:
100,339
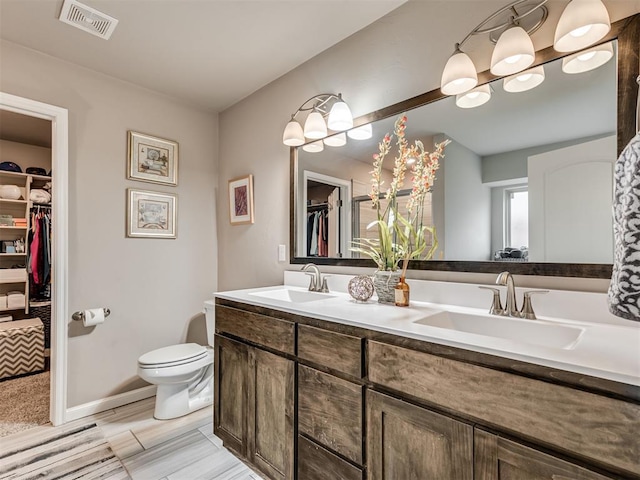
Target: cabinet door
412,443
231,379
499,459
271,414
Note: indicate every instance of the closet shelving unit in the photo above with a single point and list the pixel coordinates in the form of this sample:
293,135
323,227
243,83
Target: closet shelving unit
17,209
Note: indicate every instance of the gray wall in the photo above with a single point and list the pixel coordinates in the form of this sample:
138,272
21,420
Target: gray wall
398,57
467,204
154,288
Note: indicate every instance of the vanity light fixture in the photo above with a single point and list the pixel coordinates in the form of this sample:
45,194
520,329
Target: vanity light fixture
582,23
325,105
589,59
523,81
513,53
459,73
475,97
509,28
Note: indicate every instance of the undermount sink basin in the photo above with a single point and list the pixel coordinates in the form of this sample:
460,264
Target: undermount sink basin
292,296
532,332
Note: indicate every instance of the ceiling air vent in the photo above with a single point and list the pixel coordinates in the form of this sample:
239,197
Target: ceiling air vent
88,19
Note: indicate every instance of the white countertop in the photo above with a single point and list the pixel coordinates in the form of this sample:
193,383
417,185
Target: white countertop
608,348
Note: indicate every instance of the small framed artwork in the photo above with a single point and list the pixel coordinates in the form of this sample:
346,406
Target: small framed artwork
152,159
151,214
241,200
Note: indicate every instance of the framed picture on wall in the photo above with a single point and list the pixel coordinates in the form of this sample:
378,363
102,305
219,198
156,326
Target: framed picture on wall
241,200
152,159
151,214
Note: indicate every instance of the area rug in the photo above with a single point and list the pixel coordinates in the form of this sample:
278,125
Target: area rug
24,403
78,452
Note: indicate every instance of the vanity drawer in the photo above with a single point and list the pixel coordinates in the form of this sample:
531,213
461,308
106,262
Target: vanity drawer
270,332
330,412
589,425
330,349
316,463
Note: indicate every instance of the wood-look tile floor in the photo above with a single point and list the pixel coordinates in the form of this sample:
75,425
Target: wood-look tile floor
180,449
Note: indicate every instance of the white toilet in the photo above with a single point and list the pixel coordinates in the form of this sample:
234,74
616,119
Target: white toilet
183,374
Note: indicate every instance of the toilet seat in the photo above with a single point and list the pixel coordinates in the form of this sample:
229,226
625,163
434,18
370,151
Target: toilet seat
173,356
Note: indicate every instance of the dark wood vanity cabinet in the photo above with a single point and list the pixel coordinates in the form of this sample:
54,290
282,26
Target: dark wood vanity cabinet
255,399
297,401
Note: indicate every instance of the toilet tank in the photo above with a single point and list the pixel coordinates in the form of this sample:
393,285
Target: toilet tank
210,316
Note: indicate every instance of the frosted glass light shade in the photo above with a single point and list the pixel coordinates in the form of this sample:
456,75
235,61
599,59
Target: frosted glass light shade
314,126
523,81
582,23
513,53
313,147
474,98
459,74
340,117
293,135
589,59
336,140
363,132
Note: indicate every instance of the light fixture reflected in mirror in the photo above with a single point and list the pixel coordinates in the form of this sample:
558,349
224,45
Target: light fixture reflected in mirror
582,23
313,147
325,105
364,132
338,140
523,81
589,59
475,97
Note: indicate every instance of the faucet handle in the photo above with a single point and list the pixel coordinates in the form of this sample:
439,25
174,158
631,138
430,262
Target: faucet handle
325,287
496,305
527,307
312,281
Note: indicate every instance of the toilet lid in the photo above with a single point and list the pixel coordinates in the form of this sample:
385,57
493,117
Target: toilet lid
174,354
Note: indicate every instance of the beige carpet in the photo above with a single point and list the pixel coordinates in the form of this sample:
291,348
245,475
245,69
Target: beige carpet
24,403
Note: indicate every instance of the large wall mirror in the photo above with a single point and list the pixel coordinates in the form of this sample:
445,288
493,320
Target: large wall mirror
526,180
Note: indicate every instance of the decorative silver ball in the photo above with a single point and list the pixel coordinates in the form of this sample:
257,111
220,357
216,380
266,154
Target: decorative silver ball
361,288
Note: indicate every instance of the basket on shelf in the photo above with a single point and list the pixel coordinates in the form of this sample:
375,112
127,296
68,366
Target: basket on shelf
42,310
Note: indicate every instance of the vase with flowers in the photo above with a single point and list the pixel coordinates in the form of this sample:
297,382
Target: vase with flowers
402,235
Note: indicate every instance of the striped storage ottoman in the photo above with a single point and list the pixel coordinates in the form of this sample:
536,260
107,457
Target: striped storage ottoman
21,347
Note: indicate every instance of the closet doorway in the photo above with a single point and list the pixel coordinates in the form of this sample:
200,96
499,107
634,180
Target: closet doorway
326,222
46,294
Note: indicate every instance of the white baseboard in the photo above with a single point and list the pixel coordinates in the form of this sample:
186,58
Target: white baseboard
108,403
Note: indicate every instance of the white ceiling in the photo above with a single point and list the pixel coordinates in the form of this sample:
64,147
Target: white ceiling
211,53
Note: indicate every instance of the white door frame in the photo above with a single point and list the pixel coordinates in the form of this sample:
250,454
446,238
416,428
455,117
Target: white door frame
59,313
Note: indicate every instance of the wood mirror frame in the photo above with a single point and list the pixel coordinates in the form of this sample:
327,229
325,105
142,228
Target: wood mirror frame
627,32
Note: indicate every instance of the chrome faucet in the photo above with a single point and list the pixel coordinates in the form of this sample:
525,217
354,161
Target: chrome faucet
317,283
511,308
